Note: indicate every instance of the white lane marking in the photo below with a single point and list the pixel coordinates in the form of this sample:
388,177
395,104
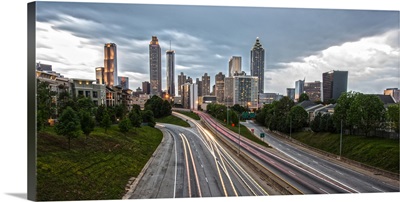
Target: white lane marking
323,190
176,166
377,189
339,172
206,180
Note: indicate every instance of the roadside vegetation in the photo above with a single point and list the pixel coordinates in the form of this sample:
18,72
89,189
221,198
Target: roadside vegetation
89,152
229,117
95,168
373,151
362,119
189,114
171,119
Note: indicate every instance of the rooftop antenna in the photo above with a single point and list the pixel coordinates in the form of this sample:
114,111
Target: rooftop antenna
169,44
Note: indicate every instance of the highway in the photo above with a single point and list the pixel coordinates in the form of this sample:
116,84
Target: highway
190,162
306,179
329,169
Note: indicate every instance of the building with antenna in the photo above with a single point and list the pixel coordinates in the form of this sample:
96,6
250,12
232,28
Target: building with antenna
257,59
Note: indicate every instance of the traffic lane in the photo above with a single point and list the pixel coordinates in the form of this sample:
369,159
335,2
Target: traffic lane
348,177
153,183
313,183
249,185
215,174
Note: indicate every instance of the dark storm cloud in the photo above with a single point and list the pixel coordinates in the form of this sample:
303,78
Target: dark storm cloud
205,37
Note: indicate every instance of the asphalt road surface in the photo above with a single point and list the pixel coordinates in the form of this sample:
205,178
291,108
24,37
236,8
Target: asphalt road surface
191,163
329,168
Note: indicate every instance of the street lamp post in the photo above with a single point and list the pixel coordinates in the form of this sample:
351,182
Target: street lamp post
239,136
341,129
290,127
227,116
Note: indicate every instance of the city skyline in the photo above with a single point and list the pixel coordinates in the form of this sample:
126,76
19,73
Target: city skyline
304,44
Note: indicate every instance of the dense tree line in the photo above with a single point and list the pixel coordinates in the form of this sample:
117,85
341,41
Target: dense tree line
354,112
227,115
359,113
282,116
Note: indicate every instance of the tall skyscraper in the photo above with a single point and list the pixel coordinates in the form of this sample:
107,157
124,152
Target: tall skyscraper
146,87
313,90
257,58
155,67
170,60
181,81
110,65
219,87
334,83
189,96
199,87
123,81
235,65
189,80
205,82
99,75
299,89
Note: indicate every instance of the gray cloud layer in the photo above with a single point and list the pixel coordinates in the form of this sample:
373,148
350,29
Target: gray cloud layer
205,37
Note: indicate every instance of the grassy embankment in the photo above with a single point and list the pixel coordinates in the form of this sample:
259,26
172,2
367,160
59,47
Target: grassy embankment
99,169
377,152
189,114
171,119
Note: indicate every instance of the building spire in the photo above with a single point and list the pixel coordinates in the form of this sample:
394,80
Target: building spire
257,45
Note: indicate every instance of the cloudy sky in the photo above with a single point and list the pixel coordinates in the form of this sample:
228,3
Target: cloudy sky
300,43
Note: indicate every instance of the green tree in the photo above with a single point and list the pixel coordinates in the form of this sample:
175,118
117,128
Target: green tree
85,104
303,97
341,114
68,125
158,106
260,115
136,108
367,112
314,125
238,108
124,125
233,117
135,118
106,121
44,103
281,112
101,110
87,123
120,111
393,113
65,100
330,126
297,118
148,117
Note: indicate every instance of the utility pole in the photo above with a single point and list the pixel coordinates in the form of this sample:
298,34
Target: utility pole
239,135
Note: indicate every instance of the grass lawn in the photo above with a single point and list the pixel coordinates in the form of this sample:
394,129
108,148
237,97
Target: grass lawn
171,119
377,152
99,169
189,114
